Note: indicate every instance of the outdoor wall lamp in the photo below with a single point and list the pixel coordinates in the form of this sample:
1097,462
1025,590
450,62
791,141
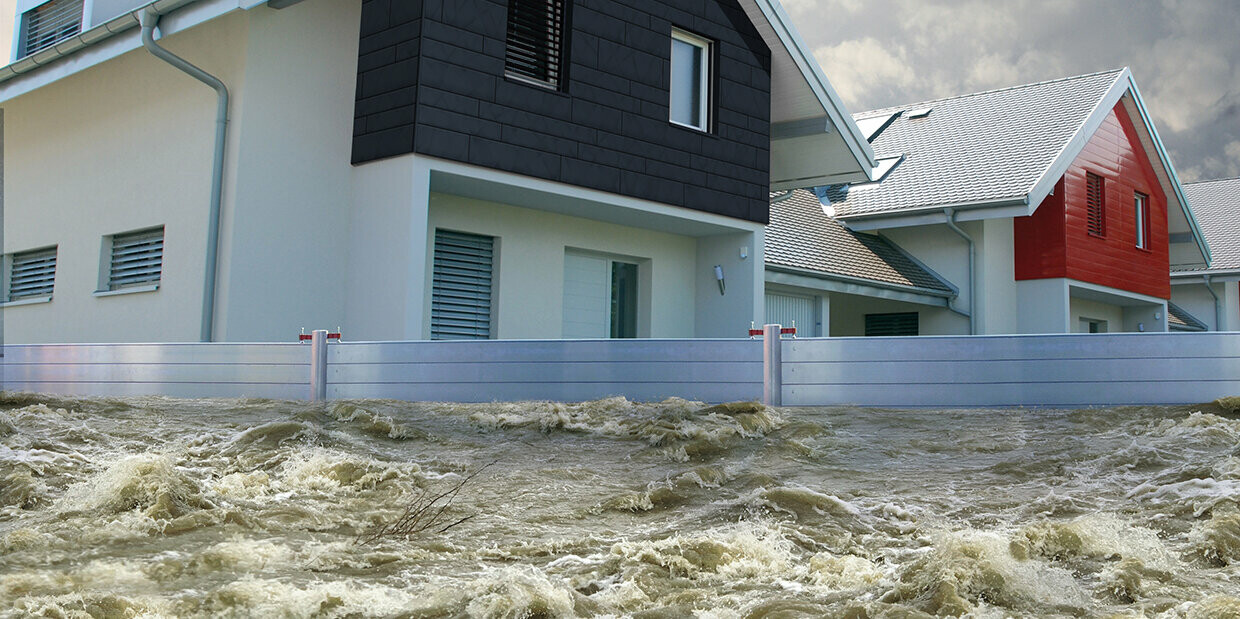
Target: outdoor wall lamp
719,278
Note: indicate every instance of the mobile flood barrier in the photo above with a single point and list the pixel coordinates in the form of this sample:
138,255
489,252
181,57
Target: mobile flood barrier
930,371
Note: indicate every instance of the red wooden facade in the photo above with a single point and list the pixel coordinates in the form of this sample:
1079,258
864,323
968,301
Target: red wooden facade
1055,241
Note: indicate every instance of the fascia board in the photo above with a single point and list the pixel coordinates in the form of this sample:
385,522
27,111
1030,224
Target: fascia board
1194,277
1166,162
1072,149
781,23
831,282
971,211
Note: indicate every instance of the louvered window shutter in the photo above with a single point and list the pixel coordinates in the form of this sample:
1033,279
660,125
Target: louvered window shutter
535,40
137,258
1095,202
903,323
33,274
49,24
461,286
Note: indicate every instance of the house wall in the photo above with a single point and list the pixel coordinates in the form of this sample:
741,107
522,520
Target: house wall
1054,242
1093,310
124,146
286,229
847,317
530,246
1196,300
947,254
431,81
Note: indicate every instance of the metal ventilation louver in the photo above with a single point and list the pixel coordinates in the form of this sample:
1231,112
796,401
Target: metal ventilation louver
461,286
33,274
1095,203
535,40
49,24
137,258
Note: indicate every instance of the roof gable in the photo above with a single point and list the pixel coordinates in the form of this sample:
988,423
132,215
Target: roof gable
983,149
1216,205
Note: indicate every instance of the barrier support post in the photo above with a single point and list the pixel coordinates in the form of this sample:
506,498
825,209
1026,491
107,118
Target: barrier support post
772,366
318,365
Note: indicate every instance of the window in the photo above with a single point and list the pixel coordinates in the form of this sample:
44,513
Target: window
32,274
536,41
903,323
49,24
136,258
1095,205
600,297
1091,325
461,286
690,83
1141,212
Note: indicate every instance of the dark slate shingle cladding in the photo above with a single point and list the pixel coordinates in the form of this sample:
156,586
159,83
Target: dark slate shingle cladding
801,236
978,148
1216,205
431,81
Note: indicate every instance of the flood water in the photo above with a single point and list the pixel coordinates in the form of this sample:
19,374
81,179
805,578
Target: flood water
154,507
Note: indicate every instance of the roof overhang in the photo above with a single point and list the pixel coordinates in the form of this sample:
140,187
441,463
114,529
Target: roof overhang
814,140
1188,244
102,42
833,282
1197,277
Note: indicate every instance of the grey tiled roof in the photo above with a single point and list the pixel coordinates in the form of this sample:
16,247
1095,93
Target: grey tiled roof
982,147
801,236
1180,320
1216,205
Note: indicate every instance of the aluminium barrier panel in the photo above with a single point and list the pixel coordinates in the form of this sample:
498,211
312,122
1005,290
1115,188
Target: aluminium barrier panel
186,370
559,370
1017,370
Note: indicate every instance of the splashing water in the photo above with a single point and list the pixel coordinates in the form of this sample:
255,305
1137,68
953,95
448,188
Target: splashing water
154,507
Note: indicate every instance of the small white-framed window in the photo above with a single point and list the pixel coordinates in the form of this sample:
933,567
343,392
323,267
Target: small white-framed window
1141,212
689,91
30,274
134,259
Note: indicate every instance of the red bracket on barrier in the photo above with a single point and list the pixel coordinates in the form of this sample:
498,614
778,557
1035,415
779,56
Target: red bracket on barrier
306,337
755,332
788,331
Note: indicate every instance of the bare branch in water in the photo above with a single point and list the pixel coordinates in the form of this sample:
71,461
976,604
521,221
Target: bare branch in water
424,513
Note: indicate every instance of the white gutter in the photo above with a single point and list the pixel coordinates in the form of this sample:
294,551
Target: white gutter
117,25
149,20
951,223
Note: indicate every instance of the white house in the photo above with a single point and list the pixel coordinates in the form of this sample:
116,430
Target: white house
1212,294
402,170
1043,208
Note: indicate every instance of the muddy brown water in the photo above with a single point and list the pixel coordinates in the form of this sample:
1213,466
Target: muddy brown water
156,507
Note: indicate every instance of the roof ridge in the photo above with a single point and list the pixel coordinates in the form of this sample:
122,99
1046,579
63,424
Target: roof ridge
987,92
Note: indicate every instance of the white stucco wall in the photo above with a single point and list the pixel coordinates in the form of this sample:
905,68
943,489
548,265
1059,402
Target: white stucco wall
1195,299
1043,306
286,229
996,278
530,262
121,147
1093,310
947,254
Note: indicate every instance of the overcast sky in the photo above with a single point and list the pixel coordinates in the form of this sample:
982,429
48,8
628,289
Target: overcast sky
1184,54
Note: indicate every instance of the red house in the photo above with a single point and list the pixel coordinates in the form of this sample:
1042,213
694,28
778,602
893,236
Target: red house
1047,208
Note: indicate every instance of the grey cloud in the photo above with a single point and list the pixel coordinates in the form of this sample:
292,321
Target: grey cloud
1185,55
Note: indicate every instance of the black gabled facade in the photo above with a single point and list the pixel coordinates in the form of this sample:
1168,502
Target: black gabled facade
431,80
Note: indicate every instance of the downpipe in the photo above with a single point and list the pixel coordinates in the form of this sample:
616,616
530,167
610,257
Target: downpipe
951,223
149,20
1218,303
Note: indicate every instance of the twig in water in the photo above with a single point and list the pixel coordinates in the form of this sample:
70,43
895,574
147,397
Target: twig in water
424,513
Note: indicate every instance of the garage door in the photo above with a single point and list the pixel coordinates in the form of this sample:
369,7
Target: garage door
783,309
